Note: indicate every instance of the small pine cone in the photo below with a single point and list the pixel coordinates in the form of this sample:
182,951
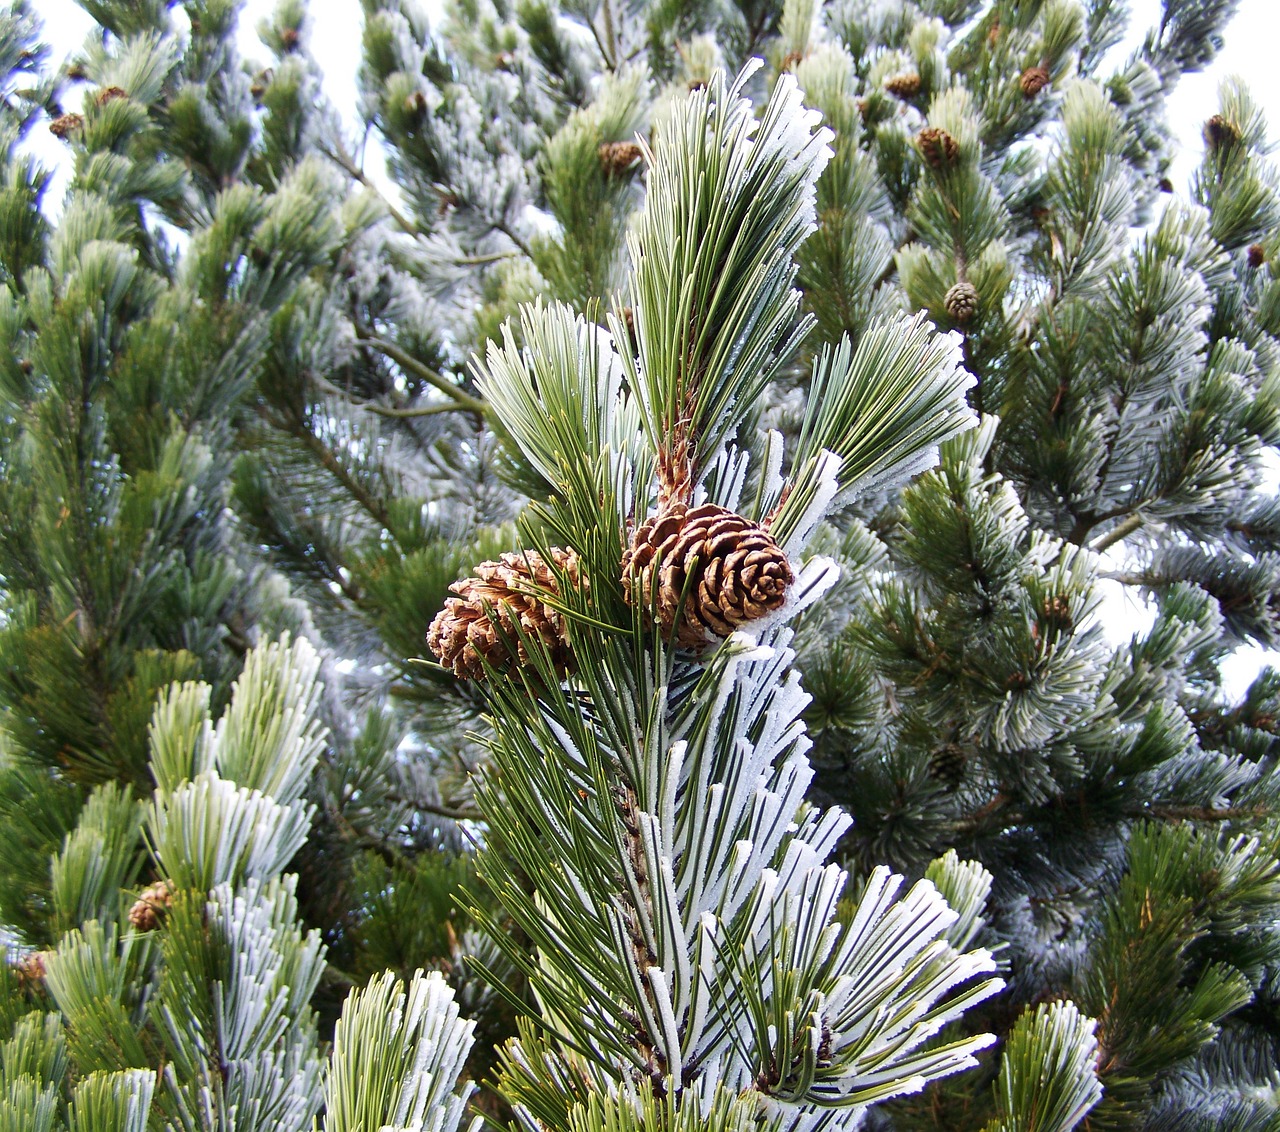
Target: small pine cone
790,59
1165,185
31,969
947,764
110,94
1257,255
152,903
289,39
728,569
1220,132
617,158
962,301
76,72
1056,612
1033,80
937,146
65,124
480,624
903,86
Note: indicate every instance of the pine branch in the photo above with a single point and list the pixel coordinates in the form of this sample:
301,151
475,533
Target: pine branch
384,410
340,158
410,364
1119,532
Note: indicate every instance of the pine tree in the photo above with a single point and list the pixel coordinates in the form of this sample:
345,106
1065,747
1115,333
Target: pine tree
707,494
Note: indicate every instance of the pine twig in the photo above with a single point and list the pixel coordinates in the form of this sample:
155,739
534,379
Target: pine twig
408,362
516,239
385,410
335,468
1119,532
352,170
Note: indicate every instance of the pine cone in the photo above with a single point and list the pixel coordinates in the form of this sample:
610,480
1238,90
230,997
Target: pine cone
937,146
947,764
480,623
903,86
150,907
790,59
110,94
1257,255
1033,80
616,158
1056,613
729,570
64,124
1220,132
962,301
31,969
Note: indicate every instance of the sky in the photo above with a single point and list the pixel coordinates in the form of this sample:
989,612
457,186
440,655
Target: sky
1249,52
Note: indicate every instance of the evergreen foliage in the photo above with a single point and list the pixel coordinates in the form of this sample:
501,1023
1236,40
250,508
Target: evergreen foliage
890,293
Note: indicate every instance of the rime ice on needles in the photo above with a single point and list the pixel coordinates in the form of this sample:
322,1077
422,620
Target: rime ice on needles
682,912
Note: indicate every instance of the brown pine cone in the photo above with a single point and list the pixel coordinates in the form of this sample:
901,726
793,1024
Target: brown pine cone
617,158
64,124
1033,80
903,86
1220,132
937,146
152,903
947,764
790,59
110,94
1257,255
728,569
31,969
962,301
480,623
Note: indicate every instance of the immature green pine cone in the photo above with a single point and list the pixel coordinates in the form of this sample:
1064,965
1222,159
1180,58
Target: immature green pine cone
962,301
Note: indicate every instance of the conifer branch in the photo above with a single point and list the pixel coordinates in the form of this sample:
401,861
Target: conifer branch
1118,533
390,412
339,157
410,364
